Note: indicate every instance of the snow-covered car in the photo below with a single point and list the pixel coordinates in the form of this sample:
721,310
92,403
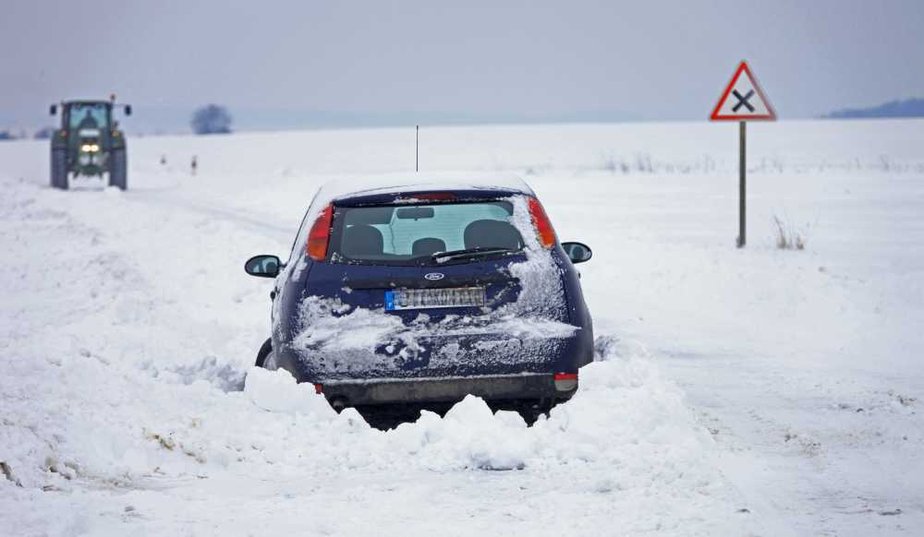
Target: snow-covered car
427,292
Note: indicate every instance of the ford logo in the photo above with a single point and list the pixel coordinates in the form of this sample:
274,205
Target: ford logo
433,276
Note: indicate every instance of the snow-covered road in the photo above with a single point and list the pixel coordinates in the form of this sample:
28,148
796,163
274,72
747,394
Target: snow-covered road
753,392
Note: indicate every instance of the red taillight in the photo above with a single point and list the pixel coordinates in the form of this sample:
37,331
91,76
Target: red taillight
319,236
318,388
566,382
544,231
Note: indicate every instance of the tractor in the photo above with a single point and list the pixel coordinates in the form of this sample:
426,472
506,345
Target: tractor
88,144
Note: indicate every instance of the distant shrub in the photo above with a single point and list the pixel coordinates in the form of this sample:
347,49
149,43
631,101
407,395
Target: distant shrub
44,133
787,238
6,135
211,119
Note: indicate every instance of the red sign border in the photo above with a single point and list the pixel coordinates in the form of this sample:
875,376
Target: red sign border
743,67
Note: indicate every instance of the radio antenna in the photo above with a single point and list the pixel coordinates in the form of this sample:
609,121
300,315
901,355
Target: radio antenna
417,150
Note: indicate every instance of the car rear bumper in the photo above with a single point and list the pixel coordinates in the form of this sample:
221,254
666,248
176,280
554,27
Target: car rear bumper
537,386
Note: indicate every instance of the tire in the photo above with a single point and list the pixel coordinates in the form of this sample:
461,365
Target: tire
531,412
118,169
265,352
59,169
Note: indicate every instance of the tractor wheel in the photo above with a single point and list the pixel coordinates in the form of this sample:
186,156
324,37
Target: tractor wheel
59,168
118,169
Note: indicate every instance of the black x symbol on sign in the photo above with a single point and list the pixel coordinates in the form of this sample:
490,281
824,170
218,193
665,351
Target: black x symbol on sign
743,100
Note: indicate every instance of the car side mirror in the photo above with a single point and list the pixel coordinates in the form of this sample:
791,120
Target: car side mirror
263,266
52,110
577,252
128,109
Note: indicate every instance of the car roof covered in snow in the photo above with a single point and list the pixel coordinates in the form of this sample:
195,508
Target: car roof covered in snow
408,183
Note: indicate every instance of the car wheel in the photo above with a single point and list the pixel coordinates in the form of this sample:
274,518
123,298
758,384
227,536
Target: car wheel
531,411
266,358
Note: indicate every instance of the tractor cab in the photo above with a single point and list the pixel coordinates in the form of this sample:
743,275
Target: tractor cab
88,144
90,125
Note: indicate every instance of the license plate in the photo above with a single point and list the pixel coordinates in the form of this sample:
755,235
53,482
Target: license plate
449,297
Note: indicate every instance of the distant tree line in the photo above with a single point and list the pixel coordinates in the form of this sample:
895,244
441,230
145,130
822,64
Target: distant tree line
905,108
7,134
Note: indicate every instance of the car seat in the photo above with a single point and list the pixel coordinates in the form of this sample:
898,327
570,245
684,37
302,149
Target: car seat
492,234
362,240
427,246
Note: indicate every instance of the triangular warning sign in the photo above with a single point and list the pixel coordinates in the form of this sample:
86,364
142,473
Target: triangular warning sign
743,100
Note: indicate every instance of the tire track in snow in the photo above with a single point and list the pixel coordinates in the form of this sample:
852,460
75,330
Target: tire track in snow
236,216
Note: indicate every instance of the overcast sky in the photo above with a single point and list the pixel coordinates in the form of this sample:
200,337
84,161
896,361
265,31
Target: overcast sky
479,59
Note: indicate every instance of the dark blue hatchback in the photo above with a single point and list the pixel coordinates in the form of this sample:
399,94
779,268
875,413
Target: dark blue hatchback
422,294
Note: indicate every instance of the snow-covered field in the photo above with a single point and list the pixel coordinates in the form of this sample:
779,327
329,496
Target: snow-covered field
737,392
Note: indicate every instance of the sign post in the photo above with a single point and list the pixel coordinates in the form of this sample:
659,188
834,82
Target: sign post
743,100
742,182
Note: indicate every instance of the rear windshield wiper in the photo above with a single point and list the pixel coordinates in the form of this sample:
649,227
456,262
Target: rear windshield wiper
468,253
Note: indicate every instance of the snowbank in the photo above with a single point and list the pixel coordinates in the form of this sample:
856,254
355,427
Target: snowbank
781,396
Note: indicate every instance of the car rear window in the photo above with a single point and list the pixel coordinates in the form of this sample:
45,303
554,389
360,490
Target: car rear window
407,234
